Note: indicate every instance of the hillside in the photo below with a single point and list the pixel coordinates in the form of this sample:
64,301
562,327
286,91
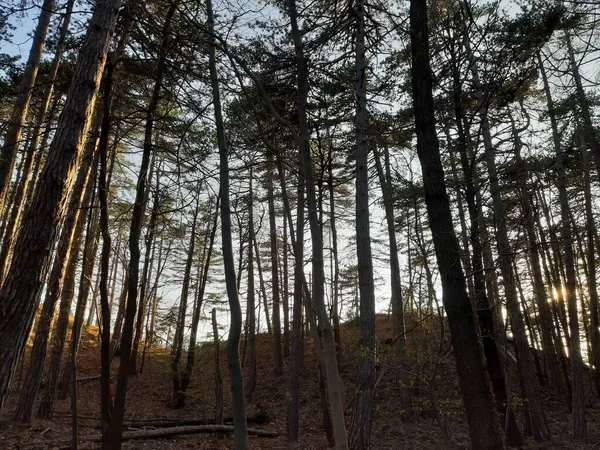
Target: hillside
149,395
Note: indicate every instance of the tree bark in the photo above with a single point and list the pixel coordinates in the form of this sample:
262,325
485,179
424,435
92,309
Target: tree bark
240,440
360,437
293,406
12,138
483,421
218,378
33,247
178,392
385,181
334,387
251,300
541,432
590,228
277,351
68,243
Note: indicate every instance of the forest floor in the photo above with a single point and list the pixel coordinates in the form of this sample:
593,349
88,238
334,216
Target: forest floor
149,397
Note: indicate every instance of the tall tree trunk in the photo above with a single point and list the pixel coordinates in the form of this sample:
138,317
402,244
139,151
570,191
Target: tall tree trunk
293,406
114,430
592,286
218,378
251,300
578,396
360,437
146,271
538,282
277,353
385,181
12,138
18,202
191,354
178,392
68,243
33,247
488,311
484,426
334,386
240,439
541,432
285,297
335,307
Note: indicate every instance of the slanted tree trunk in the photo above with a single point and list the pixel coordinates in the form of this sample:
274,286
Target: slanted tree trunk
578,395
484,427
68,244
539,289
150,337
263,290
18,202
360,437
488,311
12,138
592,286
240,439
584,106
541,432
33,247
85,286
334,386
191,354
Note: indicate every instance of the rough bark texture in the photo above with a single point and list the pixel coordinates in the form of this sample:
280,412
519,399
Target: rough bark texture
18,202
73,228
483,421
33,247
12,139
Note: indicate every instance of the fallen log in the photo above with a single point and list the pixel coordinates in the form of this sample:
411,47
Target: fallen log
165,423
161,433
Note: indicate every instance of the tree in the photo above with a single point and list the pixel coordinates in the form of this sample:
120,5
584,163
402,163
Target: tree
33,246
483,422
